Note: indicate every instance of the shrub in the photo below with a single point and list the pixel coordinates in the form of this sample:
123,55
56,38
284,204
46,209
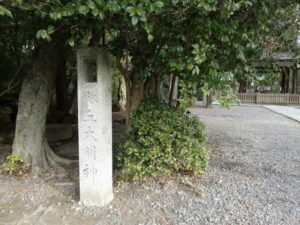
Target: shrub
15,165
162,140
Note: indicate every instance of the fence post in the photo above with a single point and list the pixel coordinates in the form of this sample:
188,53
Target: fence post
257,98
287,98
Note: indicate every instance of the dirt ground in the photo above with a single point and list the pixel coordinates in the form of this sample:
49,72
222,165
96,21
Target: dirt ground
253,178
51,198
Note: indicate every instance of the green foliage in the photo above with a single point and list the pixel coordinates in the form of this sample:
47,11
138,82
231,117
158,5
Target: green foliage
14,164
187,95
45,34
4,11
268,82
162,140
208,42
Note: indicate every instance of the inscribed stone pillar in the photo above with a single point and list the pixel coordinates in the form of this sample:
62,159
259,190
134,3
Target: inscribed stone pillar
95,126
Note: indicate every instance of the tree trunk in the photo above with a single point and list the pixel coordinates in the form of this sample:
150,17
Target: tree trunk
128,100
137,92
95,38
149,87
62,86
122,94
208,100
73,109
134,89
157,78
170,86
243,86
30,142
174,90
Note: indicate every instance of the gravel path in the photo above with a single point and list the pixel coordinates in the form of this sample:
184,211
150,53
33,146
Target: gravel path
254,175
253,178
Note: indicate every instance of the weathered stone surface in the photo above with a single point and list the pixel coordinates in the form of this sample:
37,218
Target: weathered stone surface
95,126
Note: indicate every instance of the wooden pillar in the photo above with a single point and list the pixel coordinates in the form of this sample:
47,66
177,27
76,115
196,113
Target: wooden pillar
294,88
291,80
287,79
283,80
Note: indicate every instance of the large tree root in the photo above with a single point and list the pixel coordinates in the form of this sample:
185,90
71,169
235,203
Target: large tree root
56,161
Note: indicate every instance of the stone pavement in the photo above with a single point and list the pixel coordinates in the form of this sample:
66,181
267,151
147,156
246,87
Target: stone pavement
292,112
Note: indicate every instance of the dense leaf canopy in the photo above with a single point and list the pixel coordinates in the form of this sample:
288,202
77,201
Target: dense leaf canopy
209,43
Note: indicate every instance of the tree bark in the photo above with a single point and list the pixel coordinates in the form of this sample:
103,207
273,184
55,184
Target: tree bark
157,78
134,89
208,100
137,93
95,38
243,86
122,94
62,86
149,86
128,101
30,142
174,90
134,96
73,106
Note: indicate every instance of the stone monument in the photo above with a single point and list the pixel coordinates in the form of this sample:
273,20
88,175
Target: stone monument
95,126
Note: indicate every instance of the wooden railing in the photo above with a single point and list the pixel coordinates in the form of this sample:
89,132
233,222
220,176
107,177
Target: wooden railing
263,98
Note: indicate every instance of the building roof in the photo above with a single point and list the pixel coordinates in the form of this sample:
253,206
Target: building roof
279,56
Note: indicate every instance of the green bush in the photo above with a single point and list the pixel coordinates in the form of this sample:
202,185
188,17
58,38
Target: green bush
162,140
15,165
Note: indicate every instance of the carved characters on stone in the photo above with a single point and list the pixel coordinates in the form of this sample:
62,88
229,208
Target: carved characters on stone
90,151
90,134
87,171
90,116
90,94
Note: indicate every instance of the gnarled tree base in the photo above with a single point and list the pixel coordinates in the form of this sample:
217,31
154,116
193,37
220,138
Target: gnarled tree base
35,96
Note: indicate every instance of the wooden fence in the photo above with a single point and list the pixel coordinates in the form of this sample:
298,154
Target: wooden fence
269,98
